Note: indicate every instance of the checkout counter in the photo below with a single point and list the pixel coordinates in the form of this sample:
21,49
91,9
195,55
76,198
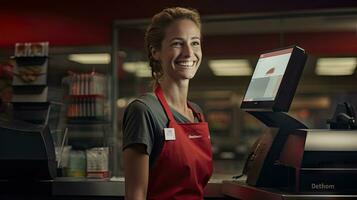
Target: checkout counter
48,186
28,169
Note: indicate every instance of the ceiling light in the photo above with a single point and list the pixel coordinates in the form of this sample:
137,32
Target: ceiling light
90,58
140,68
121,103
335,66
230,67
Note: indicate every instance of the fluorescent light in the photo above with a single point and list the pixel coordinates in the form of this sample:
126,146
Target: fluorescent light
227,155
122,102
140,68
335,66
131,67
90,58
230,67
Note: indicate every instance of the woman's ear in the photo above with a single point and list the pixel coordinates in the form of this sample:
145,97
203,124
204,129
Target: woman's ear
155,53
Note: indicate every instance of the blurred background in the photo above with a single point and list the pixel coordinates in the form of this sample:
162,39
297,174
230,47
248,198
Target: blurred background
234,34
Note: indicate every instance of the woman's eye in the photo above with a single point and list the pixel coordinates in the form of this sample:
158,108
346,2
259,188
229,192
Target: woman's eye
176,44
196,43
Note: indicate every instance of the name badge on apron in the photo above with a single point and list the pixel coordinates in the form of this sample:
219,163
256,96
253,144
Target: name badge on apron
169,134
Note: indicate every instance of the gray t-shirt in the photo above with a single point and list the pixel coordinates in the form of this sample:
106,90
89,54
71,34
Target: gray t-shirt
144,122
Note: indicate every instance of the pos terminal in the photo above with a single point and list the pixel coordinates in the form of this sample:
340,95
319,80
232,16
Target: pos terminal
26,151
290,157
27,159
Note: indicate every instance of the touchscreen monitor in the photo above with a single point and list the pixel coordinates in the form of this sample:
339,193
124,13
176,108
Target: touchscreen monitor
274,81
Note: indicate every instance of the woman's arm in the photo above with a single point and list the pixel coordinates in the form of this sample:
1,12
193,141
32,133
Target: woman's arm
136,172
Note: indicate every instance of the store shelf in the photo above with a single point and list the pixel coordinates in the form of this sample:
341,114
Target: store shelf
30,60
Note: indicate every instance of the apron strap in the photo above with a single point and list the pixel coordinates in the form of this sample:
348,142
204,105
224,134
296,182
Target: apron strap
162,100
199,116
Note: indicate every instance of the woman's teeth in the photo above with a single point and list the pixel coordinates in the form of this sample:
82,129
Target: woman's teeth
185,63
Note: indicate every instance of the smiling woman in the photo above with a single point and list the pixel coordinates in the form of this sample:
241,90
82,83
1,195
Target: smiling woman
162,129
180,53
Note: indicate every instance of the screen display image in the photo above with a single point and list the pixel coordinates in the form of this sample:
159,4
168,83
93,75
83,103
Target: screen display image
268,75
275,79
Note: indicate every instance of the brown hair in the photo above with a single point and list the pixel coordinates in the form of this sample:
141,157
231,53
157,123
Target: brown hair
155,33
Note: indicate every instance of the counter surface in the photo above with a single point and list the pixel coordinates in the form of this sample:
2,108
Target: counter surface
88,187
69,188
112,187
240,190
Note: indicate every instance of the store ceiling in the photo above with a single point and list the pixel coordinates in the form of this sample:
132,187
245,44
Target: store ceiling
82,23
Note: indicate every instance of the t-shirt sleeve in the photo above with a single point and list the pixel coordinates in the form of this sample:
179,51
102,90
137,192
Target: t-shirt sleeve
138,126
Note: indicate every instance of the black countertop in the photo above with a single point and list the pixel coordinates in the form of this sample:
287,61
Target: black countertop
82,187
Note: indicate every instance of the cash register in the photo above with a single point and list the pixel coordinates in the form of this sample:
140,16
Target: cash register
26,151
290,158
27,158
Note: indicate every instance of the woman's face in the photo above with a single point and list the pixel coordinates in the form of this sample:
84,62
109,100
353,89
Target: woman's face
180,54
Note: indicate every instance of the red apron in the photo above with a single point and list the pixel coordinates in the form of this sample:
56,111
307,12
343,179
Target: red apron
185,164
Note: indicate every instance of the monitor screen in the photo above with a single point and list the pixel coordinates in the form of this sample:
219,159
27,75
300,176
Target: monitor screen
274,80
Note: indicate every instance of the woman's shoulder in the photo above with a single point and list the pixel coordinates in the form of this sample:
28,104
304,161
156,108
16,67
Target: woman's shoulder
148,99
146,107
147,103
142,103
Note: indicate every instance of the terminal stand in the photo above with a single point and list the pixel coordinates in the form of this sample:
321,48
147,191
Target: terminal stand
262,162
290,158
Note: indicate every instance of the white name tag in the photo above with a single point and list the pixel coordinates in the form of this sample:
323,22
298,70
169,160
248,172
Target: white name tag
169,134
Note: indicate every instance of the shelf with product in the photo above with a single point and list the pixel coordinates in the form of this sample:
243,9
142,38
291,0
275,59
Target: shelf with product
32,60
30,100
87,98
86,109
88,125
30,72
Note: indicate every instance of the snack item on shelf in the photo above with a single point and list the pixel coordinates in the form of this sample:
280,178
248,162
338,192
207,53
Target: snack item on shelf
29,73
37,49
97,162
31,49
77,163
87,84
21,49
97,84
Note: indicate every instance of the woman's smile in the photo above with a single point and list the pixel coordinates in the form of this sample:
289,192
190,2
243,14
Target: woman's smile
185,64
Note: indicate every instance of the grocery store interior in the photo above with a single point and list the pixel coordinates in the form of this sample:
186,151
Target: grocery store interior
81,38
